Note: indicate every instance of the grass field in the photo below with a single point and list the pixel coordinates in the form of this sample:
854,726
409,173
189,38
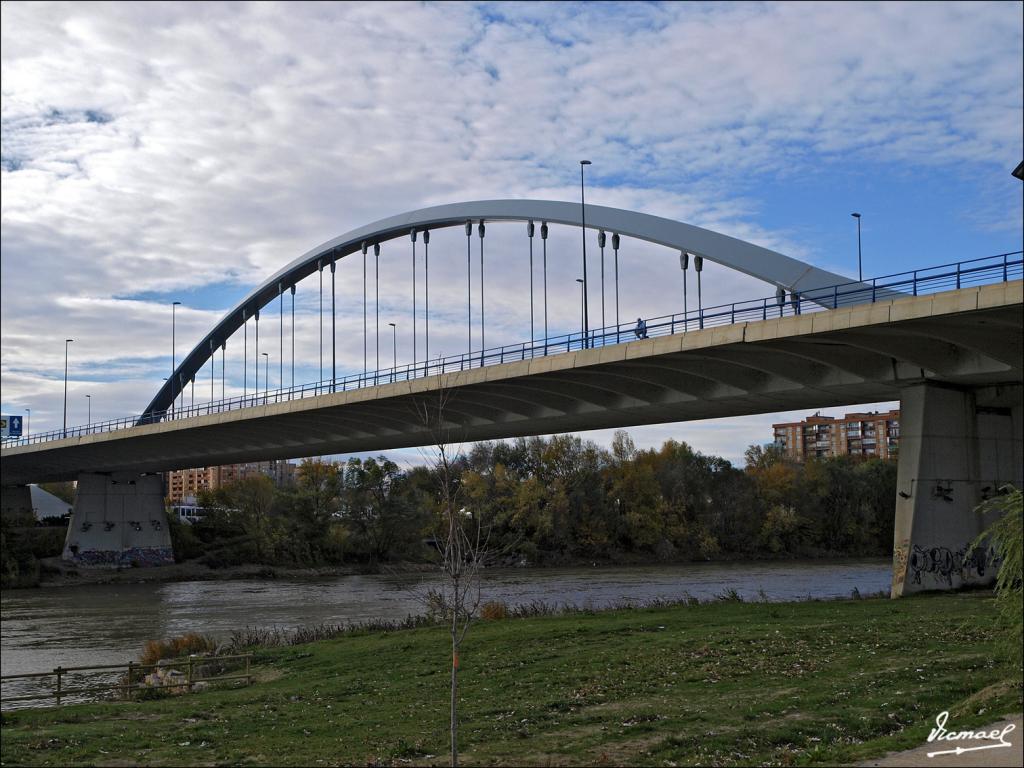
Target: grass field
722,683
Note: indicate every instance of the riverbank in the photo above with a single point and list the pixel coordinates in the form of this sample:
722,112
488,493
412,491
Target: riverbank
56,572
721,683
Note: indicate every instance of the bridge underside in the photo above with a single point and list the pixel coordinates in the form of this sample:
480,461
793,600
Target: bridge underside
970,338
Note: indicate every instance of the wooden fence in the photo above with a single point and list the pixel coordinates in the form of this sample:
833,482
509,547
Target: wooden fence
133,680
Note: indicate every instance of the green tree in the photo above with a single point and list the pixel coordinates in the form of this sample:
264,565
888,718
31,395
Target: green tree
379,508
1006,536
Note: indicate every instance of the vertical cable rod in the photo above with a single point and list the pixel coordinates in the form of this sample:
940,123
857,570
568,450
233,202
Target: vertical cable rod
364,312
320,377
334,332
529,234
426,286
293,337
376,301
544,246
245,355
601,240
483,344
256,358
615,249
684,263
412,236
280,334
469,289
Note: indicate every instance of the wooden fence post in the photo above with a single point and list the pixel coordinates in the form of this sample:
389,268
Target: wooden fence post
248,677
128,688
189,678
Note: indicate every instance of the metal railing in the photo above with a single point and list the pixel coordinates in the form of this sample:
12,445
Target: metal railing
992,269
116,679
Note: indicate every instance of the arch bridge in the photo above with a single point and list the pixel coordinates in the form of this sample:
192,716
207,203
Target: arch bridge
946,341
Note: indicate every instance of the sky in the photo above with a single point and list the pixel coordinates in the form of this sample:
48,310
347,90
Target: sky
159,152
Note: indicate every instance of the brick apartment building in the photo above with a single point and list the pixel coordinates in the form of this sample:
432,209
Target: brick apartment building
184,484
855,434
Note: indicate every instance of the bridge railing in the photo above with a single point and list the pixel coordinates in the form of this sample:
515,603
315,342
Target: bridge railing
992,269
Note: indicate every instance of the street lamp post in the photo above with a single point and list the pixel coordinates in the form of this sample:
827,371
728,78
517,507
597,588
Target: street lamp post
88,418
583,330
860,270
583,221
266,377
394,351
66,342
174,396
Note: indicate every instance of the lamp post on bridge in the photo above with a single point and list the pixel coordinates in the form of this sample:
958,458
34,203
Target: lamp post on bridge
860,270
174,396
88,418
66,342
583,221
583,293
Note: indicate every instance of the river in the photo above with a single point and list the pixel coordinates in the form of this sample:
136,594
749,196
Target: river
109,623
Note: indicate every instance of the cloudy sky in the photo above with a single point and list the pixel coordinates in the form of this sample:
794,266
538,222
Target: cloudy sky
160,152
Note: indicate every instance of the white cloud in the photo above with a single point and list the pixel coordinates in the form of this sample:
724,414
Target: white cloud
164,147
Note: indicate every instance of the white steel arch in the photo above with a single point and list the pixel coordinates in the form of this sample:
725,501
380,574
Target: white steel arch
754,260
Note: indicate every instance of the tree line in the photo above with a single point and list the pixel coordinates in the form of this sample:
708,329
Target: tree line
557,500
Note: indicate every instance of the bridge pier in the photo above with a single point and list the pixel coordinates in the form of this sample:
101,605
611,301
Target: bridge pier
119,520
957,448
16,501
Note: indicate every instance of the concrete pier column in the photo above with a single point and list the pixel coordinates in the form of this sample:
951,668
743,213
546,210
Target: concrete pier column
119,520
16,501
957,448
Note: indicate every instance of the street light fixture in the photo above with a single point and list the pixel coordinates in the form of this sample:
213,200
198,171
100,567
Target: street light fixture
88,419
66,342
583,221
860,271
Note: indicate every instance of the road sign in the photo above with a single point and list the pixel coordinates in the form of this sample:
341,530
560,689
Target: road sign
10,426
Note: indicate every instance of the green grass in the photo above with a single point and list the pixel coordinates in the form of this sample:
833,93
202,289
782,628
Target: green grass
724,683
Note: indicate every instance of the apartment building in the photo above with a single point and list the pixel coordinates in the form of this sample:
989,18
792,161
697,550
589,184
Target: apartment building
185,484
855,434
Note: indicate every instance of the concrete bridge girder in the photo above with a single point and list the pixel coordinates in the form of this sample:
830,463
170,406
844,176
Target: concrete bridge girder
941,359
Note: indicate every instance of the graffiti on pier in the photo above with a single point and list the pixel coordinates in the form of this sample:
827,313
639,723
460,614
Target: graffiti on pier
943,564
132,557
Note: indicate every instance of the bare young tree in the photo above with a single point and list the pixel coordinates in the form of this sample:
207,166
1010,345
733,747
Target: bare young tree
461,543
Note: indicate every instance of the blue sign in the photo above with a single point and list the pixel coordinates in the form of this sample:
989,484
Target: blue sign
10,426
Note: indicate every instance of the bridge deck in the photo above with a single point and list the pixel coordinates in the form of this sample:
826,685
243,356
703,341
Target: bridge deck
970,337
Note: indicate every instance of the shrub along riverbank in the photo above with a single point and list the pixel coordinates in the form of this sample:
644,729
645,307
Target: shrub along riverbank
541,501
722,683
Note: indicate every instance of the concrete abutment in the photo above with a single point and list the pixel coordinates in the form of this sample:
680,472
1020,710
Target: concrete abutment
119,520
958,447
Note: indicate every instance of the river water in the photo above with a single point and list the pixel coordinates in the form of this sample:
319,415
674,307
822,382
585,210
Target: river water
109,623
